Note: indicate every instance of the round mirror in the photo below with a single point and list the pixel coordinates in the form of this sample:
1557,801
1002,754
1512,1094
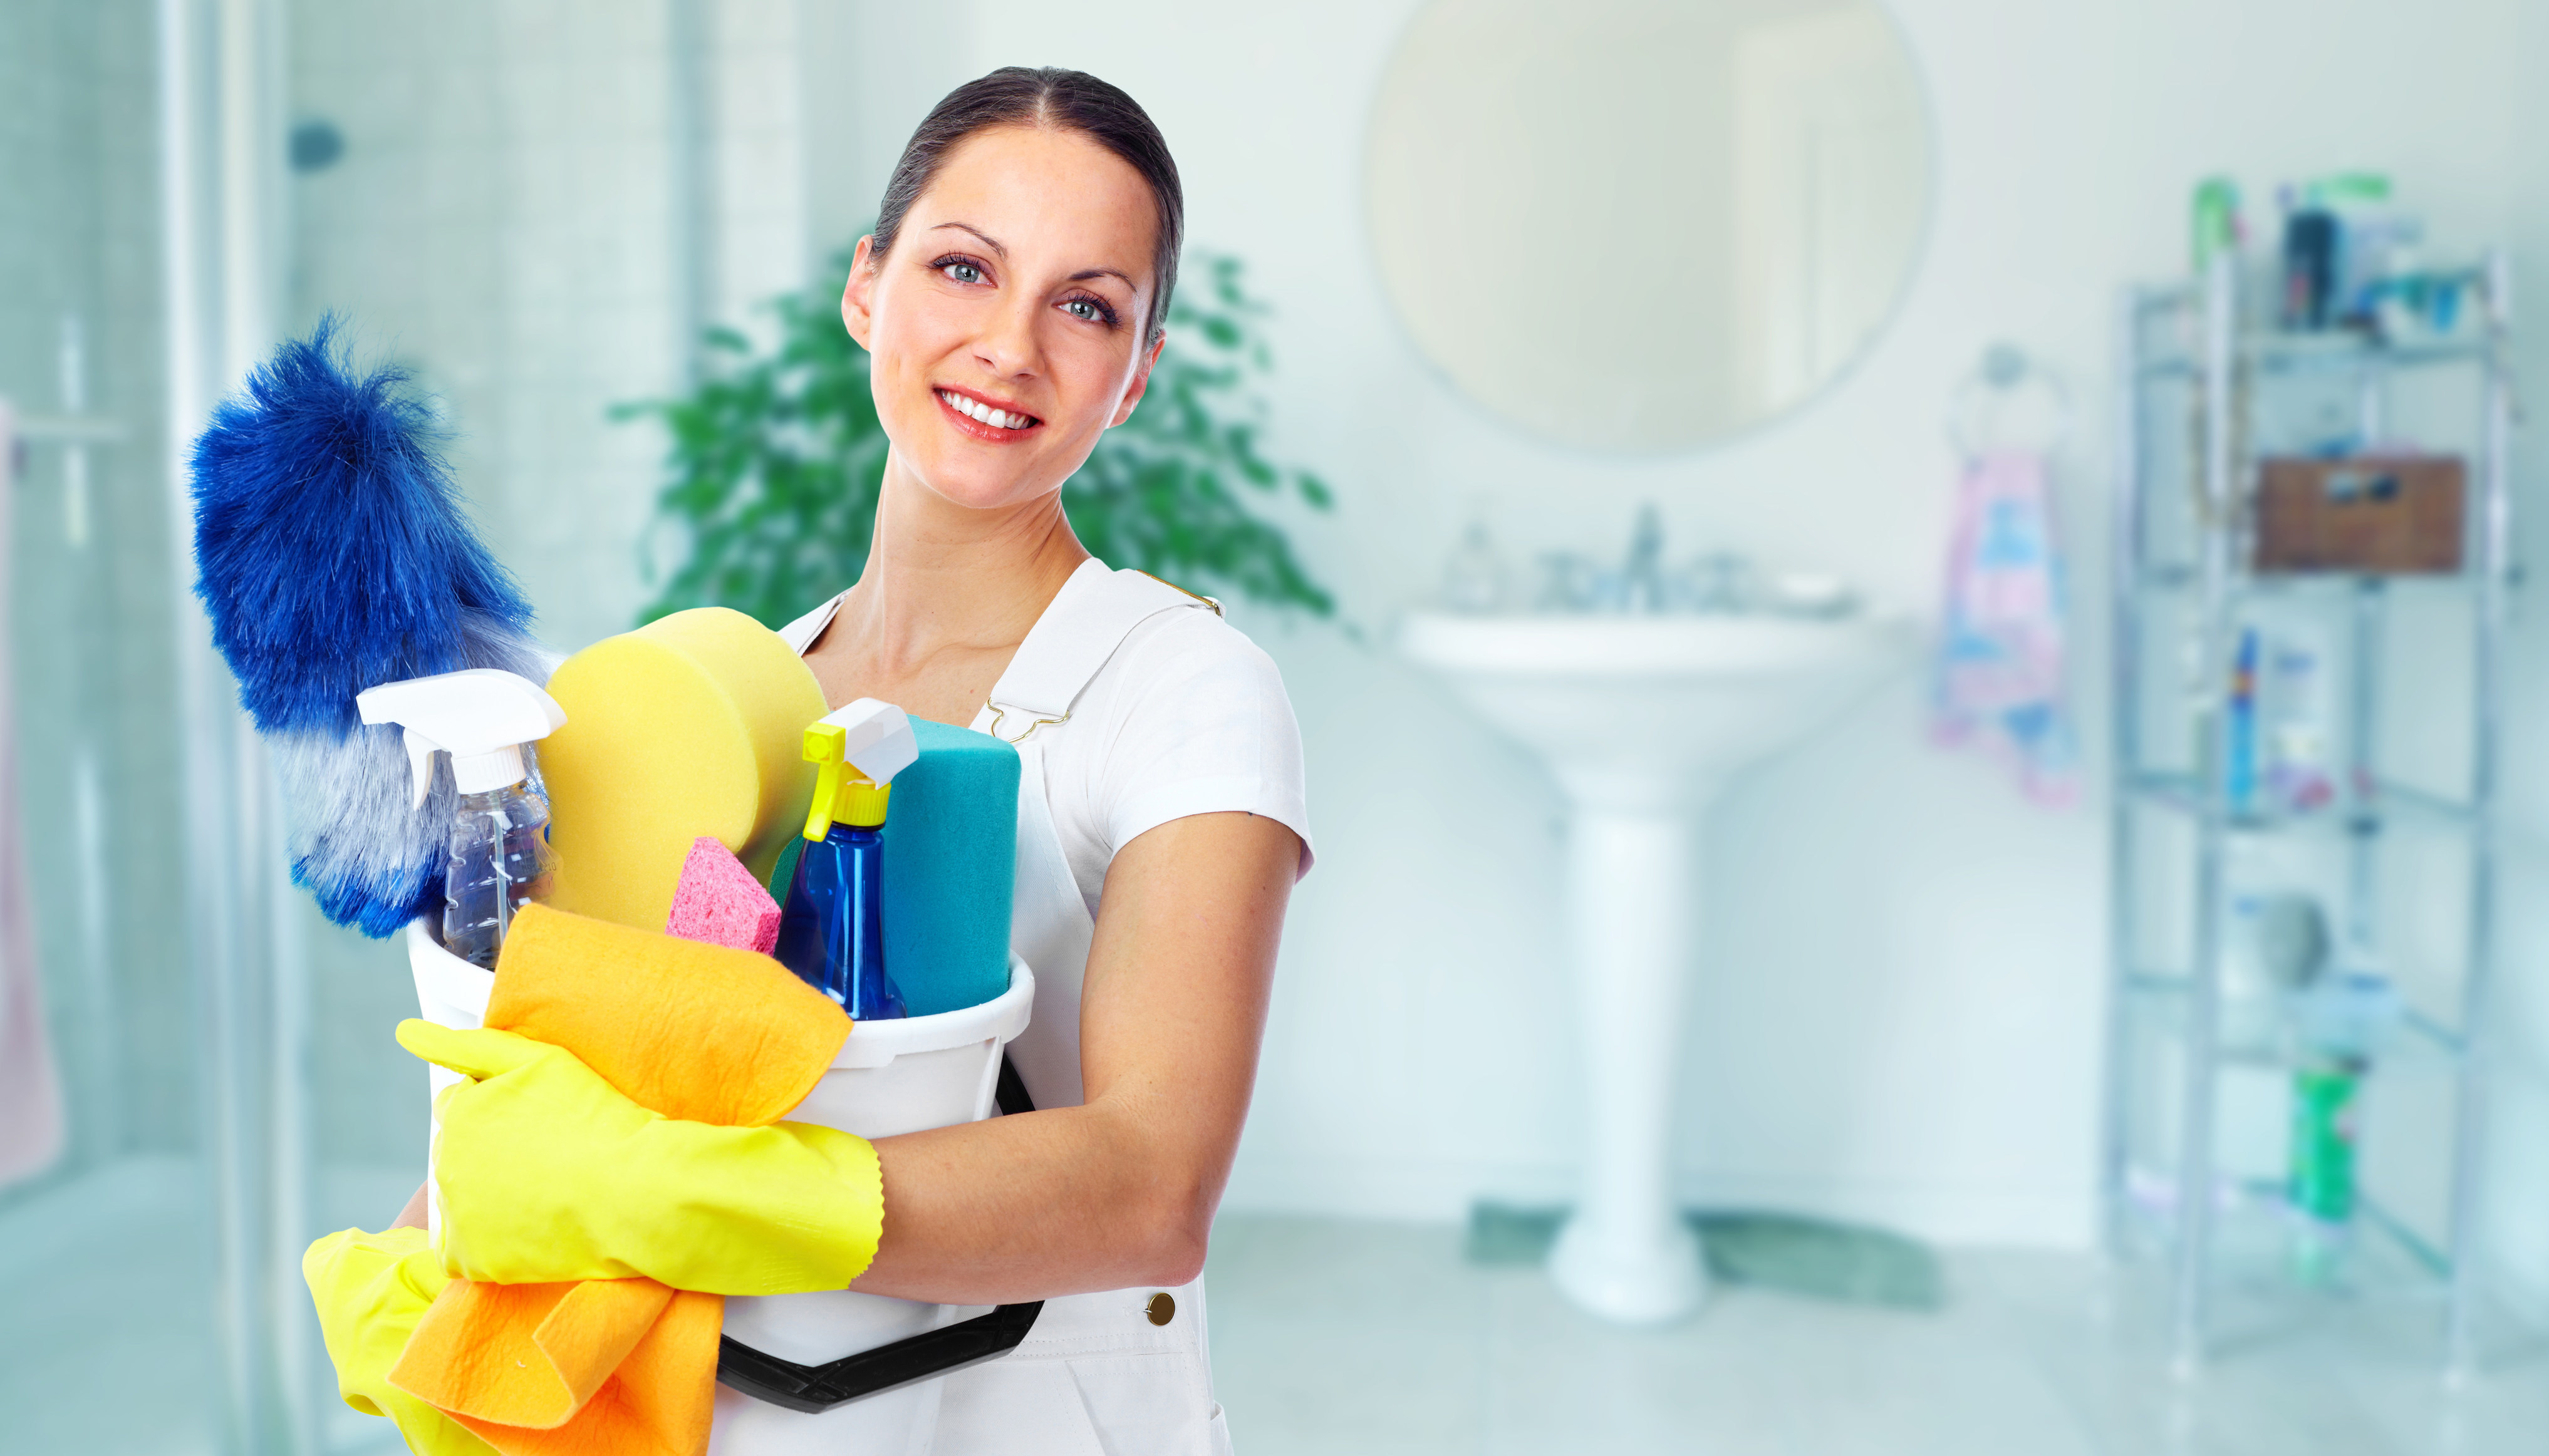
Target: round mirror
1641,224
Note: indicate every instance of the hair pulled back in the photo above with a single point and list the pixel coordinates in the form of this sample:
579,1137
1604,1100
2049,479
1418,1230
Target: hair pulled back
1059,100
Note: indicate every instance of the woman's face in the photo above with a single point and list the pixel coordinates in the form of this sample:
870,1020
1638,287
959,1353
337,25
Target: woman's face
1017,289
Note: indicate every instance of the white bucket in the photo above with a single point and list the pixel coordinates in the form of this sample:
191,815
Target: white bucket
890,1078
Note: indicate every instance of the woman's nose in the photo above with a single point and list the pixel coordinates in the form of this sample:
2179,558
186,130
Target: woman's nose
1008,345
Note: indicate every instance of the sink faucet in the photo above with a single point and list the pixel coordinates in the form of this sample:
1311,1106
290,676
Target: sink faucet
1642,576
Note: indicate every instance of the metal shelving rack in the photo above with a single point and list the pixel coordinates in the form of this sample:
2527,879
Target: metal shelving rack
2189,344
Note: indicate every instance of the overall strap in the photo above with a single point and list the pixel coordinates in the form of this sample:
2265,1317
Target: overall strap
1095,611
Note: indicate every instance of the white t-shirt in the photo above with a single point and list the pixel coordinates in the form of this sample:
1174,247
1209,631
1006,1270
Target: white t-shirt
1187,717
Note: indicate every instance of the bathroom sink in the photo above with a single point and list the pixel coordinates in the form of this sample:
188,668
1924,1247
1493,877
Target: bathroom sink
1647,706
1644,720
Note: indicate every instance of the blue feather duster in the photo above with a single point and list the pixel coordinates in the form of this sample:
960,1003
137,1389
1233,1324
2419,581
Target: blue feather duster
333,555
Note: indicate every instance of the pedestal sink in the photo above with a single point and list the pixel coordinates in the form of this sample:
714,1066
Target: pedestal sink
1644,719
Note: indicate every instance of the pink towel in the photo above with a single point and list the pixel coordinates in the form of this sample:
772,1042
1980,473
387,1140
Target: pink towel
31,1097
1998,685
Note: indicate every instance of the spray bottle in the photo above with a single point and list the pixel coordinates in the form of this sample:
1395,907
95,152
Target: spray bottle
831,929
498,853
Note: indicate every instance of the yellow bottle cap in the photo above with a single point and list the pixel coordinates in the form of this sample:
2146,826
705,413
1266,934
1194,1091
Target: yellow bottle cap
861,804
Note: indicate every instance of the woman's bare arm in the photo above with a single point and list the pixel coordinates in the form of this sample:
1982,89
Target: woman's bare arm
1119,1191
413,1215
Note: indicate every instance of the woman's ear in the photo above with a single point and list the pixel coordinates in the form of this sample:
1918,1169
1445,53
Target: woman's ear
858,296
1141,381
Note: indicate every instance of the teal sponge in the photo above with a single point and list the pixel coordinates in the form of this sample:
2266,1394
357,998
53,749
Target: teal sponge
951,853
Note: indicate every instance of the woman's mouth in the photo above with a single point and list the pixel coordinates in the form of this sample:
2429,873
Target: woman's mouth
983,419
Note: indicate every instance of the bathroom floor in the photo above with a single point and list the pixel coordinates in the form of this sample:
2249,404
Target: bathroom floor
1344,1338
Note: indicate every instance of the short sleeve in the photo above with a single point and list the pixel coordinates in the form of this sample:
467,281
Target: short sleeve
1199,723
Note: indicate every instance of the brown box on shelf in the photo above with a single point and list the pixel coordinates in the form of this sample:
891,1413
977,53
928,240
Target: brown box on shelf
2375,515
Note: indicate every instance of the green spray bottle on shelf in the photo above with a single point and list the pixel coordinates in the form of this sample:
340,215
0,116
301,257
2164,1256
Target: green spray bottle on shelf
2342,1022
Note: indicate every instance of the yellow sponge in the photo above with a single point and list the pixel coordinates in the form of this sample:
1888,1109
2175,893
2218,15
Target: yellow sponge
688,726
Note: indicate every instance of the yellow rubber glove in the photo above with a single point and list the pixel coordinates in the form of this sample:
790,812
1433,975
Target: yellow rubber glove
547,1173
371,1289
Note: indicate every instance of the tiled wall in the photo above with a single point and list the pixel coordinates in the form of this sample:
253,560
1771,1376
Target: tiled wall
91,581
502,219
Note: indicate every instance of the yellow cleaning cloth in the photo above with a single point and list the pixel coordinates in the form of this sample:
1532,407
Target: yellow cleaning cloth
691,725
698,1033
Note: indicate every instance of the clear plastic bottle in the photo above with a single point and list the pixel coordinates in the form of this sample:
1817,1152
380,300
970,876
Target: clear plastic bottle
499,858
497,853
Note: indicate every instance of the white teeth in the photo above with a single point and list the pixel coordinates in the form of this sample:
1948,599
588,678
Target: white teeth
999,418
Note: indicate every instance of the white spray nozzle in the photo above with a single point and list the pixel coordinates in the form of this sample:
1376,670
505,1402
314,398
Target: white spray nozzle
876,739
481,716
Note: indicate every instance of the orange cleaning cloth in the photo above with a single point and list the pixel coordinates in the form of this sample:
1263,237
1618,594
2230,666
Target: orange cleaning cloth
610,1367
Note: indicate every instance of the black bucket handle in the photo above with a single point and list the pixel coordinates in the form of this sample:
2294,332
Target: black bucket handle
815,1389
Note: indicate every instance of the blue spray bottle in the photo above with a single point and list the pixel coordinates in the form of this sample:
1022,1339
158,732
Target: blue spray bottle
831,929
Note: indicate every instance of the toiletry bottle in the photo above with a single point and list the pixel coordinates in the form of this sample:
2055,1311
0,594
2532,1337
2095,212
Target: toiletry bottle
1473,579
2324,1121
2240,773
2215,220
2341,1024
2296,722
498,850
831,929
2320,1185
2310,264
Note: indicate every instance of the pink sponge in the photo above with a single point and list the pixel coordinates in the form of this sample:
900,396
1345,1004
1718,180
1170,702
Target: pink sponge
720,902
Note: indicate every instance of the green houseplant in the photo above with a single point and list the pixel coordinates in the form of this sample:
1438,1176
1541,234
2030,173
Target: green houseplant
776,457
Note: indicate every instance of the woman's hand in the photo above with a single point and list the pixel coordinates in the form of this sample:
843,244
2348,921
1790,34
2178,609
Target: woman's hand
548,1173
1121,1190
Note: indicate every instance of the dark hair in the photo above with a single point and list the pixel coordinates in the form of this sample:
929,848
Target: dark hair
1059,100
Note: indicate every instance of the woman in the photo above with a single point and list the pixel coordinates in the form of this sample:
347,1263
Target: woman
1012,297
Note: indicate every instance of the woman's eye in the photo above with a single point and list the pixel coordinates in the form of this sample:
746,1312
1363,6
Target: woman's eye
1083,309
963,273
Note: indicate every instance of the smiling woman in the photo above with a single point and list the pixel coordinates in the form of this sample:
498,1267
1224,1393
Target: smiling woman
991,321
1012,299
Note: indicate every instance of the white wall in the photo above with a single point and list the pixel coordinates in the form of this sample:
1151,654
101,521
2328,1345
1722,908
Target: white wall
1899,1016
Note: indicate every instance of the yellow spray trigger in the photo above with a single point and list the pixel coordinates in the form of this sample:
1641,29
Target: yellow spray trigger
844,793
859,749
826,747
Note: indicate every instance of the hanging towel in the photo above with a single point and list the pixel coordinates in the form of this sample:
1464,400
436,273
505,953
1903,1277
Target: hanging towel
696,1032
31,1097
1998,685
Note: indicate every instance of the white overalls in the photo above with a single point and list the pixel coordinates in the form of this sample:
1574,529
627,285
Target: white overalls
1095,1377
